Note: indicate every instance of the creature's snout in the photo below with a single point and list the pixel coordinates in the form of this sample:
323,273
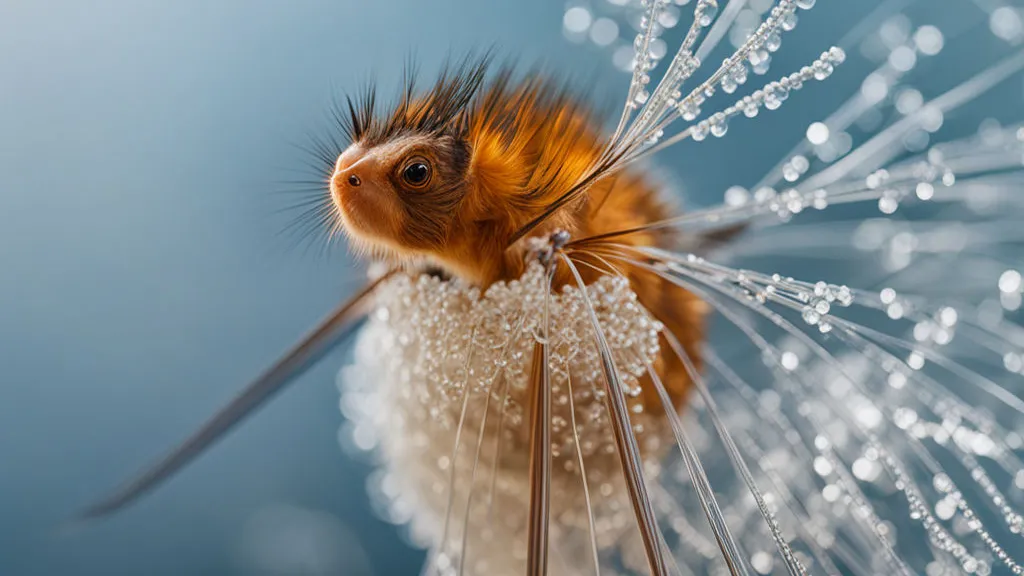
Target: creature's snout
353,171
364,196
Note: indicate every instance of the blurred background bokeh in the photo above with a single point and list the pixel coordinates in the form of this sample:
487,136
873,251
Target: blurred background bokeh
144,279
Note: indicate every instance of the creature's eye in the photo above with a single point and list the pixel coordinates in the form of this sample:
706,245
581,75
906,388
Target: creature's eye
416,172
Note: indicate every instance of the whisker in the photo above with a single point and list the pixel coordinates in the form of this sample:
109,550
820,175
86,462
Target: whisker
315,200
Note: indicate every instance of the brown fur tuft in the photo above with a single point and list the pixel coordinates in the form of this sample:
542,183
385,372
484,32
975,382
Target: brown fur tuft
527,141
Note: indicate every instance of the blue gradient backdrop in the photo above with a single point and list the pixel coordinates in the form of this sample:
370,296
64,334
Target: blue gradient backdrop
143,280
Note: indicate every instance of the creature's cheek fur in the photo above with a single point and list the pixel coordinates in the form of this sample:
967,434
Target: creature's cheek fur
370,220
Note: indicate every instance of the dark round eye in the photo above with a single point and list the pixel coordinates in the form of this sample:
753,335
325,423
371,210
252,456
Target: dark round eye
416,173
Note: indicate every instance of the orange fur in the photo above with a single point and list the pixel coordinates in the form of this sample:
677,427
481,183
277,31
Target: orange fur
519,147
514,174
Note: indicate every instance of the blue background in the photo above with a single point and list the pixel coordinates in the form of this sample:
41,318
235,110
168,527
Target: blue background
143,279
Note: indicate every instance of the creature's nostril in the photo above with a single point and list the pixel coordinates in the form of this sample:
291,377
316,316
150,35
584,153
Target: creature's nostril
354,180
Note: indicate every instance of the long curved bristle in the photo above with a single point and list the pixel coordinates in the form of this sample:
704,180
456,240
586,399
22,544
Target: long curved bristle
540,455
334,328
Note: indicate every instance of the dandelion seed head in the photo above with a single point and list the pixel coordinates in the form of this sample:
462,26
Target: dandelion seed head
873,390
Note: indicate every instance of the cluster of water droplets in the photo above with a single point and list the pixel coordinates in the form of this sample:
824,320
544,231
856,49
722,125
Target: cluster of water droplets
442,365
910,403
658,107
861,434
770,97
883,426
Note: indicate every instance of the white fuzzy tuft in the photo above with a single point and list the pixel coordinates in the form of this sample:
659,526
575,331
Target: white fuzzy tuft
431,342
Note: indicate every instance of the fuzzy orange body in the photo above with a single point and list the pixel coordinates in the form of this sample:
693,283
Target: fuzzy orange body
509,151
452,180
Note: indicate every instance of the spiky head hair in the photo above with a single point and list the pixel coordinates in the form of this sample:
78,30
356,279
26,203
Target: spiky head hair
452,174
